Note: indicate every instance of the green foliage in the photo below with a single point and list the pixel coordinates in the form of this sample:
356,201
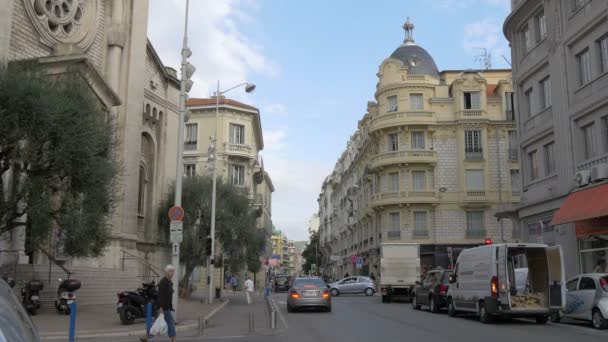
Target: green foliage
235,225
58,143
311,253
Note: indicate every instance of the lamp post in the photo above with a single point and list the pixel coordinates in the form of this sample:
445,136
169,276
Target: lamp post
249,87
187,70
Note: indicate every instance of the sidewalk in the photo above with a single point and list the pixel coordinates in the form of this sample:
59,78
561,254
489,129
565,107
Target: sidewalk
103,321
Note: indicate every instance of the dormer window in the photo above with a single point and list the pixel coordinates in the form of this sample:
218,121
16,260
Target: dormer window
472,100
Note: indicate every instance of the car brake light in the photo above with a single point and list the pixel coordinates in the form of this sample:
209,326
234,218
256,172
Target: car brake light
494,287
295,295
326,294
604,283
310,287
443,289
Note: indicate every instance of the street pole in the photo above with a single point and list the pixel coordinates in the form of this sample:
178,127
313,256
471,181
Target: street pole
210,289
180,151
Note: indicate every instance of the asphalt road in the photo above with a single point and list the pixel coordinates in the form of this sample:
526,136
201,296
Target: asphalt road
360,318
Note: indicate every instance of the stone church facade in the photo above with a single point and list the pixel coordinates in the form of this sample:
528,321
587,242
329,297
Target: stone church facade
105,42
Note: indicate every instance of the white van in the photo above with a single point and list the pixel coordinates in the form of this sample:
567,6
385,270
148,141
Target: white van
510,279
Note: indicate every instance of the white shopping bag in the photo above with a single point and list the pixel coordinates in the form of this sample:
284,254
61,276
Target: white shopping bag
159,327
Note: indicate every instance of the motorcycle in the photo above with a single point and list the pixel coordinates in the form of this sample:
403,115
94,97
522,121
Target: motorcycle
66,295
132,304
30,292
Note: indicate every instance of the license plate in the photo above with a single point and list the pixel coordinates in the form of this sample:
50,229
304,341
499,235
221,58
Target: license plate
311,293
35,297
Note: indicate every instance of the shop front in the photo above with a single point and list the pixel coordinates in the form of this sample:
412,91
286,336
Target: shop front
588,210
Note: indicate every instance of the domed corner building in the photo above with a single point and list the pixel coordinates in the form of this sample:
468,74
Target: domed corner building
432,162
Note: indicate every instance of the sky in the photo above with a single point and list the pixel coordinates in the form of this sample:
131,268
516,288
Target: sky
314,63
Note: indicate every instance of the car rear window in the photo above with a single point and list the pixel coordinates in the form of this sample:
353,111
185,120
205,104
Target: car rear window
281,279
317,282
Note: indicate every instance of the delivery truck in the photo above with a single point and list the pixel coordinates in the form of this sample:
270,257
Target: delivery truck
399,270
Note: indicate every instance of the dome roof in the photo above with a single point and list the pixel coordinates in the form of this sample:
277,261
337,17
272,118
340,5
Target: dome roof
417,59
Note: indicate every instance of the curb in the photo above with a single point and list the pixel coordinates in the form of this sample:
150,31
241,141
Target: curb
178,328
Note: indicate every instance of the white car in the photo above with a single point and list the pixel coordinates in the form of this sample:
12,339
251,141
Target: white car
586,299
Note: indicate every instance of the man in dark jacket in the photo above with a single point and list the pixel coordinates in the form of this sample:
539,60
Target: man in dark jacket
165,301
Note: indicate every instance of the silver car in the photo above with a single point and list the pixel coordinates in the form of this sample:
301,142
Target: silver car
353,285
308,293
586,299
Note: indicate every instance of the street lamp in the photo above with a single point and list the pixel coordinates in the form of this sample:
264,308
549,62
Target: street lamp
249,87
187,70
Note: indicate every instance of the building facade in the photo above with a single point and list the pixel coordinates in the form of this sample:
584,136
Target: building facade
105,42
560,60
431,162
239,142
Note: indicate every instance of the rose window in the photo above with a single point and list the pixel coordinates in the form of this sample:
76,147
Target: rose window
62,17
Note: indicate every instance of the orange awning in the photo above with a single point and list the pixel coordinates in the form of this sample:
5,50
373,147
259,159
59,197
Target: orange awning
583,205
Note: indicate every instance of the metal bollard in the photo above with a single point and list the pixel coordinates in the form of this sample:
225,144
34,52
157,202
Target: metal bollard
250,322
273,319
201,325
148,318
72,322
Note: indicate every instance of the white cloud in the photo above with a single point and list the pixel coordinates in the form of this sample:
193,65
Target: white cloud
274,139
274,108
219,48
486,33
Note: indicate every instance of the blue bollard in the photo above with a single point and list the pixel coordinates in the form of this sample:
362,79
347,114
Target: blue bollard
148,318
72,321
267,291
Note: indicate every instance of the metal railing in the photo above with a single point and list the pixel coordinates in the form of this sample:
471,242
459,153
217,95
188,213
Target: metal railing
148,266
473,154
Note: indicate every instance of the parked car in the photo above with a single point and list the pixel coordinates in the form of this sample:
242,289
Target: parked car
353,285
432,290
308,293
511,279
15,324
281,283
586,299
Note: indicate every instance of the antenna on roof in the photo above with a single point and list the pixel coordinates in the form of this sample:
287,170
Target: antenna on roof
485,59
506,60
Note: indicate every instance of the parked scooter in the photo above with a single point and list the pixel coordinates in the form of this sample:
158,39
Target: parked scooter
66,294
30,293
132,304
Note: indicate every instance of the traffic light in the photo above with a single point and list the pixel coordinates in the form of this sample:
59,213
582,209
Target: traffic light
488,241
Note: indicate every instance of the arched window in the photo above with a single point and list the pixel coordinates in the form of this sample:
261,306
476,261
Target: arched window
141,195
148,109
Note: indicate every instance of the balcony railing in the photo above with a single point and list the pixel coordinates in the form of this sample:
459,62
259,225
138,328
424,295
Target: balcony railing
476,193
476,233
395,234
473,154
513,153
421,233
470,113
404,156
238,150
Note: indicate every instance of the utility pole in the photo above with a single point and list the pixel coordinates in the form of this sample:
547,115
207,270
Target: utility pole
176,213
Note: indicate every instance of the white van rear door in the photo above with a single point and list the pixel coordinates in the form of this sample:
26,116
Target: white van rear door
557,278
501,272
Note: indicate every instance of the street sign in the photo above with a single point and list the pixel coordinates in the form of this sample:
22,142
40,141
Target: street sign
175,249
359,261
176,213
175,228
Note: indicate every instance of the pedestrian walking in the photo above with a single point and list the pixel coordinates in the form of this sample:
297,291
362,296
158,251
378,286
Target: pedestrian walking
234,281
165,302
249,290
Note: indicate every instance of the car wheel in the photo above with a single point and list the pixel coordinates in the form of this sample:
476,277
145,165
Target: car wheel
451,309
433,304
598,321
369,291
328,309
335,292
415,305
542,319
555,317
484,316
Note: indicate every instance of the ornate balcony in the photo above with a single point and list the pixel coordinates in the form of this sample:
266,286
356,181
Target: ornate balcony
403,197
470,114
475,196
403,157
393,119
238,150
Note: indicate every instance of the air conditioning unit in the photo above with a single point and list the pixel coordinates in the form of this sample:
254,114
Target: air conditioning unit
599,172
582,178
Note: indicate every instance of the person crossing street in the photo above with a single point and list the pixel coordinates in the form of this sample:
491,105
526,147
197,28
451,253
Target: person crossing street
165,302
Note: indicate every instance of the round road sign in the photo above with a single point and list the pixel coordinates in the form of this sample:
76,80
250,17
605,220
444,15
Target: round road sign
176,213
